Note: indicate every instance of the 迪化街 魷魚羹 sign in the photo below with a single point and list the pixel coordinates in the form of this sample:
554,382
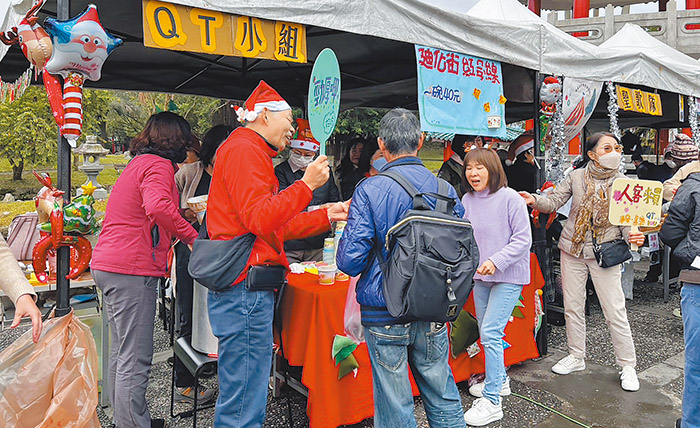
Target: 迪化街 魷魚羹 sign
182,28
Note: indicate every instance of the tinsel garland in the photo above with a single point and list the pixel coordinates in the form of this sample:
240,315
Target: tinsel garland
693,119
11,91
612,110
555,155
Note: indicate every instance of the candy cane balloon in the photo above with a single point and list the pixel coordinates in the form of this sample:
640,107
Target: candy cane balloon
80,47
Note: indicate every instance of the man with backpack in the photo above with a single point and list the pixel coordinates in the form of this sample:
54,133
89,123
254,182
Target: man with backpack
394,343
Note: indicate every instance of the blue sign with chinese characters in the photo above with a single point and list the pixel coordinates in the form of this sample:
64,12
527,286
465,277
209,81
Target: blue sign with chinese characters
324,96
459,93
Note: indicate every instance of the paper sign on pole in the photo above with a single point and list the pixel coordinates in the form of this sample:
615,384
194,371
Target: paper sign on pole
460,94
636,203
580,99
324,96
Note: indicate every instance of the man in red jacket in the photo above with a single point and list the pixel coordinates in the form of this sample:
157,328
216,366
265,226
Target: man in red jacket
244,197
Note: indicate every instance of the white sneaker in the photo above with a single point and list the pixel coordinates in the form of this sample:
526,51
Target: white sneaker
483,412
569,364
477,390
628,379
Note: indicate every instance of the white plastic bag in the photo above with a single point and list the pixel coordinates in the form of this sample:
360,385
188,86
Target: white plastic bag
353,320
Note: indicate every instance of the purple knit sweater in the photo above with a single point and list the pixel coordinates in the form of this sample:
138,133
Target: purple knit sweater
502,232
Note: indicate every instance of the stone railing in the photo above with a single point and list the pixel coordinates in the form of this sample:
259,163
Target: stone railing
671,27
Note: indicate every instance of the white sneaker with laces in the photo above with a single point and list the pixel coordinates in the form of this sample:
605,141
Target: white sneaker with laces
628,379
483,412
477,390
569,364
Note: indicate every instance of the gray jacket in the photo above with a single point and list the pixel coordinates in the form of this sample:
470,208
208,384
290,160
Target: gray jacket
573,187
681,229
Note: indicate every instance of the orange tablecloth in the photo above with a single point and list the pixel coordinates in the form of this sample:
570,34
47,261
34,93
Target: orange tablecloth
311,317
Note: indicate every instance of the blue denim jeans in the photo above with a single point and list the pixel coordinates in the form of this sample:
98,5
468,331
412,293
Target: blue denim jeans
423,346
690,307
494,303
242,321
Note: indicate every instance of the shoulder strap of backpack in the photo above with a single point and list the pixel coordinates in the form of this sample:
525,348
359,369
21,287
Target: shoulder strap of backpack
442,205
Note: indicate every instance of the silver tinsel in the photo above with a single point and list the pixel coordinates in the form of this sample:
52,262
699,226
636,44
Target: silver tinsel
555,155
612,110
693,119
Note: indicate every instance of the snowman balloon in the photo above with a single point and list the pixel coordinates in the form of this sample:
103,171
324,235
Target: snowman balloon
80,47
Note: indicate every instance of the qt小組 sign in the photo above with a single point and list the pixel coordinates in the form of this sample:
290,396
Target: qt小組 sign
176,27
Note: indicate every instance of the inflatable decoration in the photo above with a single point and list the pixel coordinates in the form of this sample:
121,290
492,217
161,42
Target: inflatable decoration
80,47
550,92
76,218
35,43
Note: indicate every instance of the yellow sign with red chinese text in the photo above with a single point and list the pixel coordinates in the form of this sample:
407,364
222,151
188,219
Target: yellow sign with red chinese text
636,202
640,101
176,27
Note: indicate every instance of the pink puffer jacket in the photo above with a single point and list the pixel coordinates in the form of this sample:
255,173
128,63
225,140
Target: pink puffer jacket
141,218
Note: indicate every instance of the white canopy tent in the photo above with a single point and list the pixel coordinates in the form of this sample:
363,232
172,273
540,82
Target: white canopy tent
649,59
502,30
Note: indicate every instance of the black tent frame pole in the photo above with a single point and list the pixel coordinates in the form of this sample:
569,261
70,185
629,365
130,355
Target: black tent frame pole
63,172
540,233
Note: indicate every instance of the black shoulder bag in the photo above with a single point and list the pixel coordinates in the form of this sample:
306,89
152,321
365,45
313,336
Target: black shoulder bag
610,253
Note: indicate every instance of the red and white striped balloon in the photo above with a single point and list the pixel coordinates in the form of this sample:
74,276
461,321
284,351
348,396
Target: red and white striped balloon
72,107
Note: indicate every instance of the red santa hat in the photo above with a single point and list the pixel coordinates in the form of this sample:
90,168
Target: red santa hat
521,144
304,139
262,97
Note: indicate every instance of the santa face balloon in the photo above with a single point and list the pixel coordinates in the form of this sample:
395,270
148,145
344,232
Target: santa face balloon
80,45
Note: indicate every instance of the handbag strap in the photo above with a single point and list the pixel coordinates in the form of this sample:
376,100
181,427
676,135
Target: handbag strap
593,233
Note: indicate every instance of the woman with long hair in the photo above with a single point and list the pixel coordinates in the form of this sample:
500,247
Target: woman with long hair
589,188
130,257
351,169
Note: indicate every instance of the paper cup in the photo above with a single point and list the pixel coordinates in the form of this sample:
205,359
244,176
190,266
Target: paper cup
326,274
198,204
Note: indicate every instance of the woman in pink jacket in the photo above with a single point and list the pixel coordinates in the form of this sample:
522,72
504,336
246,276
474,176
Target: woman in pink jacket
130,256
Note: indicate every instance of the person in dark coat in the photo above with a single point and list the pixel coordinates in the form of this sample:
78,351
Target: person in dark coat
304,149
681,231
452,170
352,169
521,166
644,168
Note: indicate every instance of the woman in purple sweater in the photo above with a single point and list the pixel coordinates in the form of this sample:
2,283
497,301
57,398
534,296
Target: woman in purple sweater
502,231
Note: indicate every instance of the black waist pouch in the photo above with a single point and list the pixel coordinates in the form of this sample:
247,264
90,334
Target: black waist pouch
266,278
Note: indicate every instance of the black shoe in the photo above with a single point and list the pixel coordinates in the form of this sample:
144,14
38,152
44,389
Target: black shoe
157,423
678,423
171,361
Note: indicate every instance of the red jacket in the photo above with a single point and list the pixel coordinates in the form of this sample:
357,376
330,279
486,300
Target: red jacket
143,200
244,197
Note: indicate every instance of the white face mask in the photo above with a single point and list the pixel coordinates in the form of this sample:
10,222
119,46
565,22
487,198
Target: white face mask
297,161
671,164
610,160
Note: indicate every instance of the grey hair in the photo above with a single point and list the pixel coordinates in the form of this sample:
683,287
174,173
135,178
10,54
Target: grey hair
400,131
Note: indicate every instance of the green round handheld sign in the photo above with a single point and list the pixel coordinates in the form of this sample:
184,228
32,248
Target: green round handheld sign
324,96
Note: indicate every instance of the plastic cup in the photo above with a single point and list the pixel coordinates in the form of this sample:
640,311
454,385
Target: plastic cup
198,204
326,274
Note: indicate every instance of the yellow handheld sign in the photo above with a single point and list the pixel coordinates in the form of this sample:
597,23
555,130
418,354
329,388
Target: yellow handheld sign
636,203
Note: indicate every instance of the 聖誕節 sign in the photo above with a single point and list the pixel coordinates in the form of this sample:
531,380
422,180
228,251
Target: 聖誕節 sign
460,93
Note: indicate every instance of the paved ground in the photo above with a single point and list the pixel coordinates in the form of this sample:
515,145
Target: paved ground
591,398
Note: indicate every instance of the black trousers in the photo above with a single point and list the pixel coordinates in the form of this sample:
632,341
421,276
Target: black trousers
184,290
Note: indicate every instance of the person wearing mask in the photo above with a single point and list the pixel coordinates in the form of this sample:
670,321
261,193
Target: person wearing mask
244,198
192,179
521,165
351,170
376,162
687,158
19,291
131,256
681,231
504,242
451,170
395,344
304,149
589,188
